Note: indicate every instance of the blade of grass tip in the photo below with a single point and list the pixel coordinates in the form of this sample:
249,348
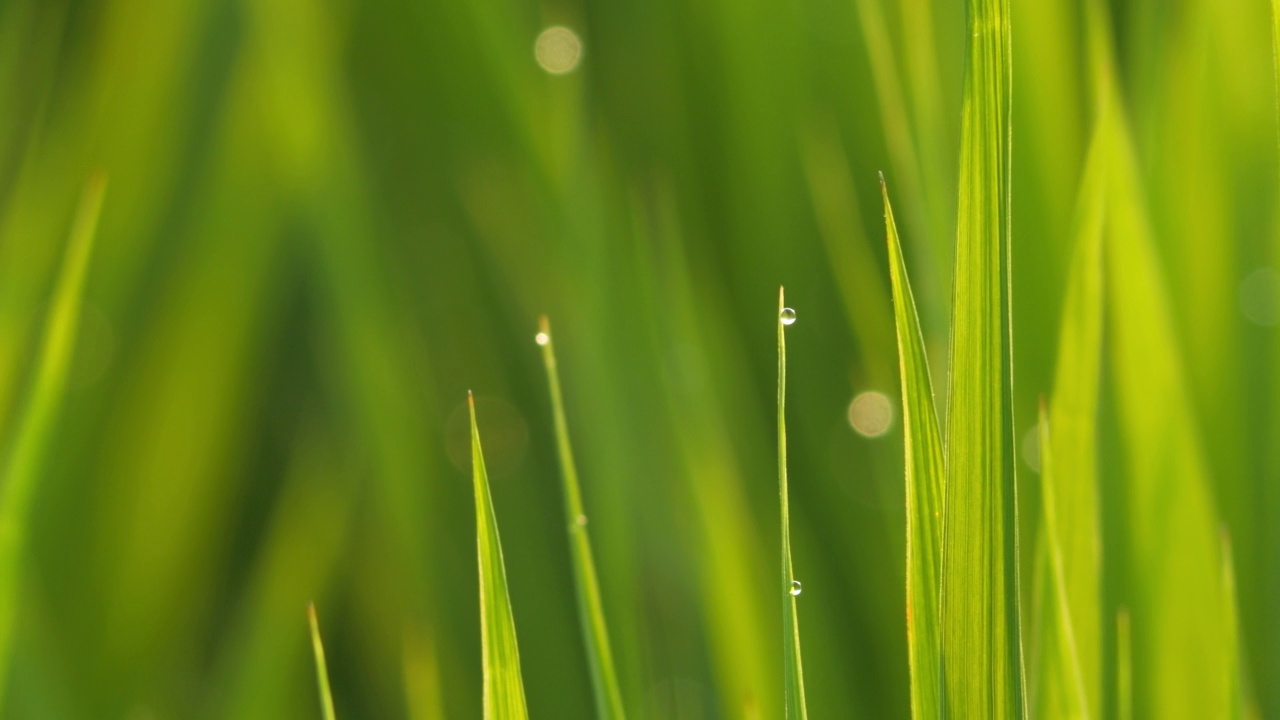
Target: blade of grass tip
794,669
595,632
322,668
1124,666
35,426
925,478
1232,677
981,647
1062,681
503,686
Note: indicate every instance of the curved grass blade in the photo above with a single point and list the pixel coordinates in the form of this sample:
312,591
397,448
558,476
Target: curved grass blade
1062,691
604,679
793,668
926,478
322,668
503,687
35,426
1069,674
982,672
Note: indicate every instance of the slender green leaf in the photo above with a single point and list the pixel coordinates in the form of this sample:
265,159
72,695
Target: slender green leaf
981,647
322,668
36,425
1174,570
1233,669
1070,674
503,687
595,633
1124,666
925,477
794,669
1061,687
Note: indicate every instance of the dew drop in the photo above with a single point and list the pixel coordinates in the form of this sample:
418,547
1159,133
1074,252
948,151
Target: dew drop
795,588
788,317
542,338
581,520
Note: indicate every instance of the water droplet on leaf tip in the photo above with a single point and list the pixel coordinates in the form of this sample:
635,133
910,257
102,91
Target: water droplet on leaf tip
787,316
795,588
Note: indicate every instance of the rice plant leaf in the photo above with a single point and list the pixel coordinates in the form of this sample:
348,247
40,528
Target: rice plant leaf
793,668
1173,574
1124,666
35,426
503,687
1061,687
604,678
925,478
1070,673
322,668
982,673
1233,670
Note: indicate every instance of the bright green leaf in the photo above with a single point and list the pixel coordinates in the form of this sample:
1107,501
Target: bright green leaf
790,587
981,647
604,678
925,478
503,687
322,668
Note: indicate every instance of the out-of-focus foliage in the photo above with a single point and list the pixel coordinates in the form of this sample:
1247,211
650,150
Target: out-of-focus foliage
328,219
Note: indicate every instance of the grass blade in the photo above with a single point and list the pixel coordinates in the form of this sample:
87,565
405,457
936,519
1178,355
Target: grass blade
980,625
1070,676
1062,692
322,668
36,425
503,687
1124,666
1233,686
604,678
794,669
925,477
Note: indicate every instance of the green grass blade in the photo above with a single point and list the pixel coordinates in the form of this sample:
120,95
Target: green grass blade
1062,692
322,668
925,477
604,679
793,668
1124,666
1070,676
36,424
503,687
1173,572
1233,686
980,626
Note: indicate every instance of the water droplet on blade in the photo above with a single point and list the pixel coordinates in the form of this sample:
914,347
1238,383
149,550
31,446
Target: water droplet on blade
542,338
787,316
795,588
581,520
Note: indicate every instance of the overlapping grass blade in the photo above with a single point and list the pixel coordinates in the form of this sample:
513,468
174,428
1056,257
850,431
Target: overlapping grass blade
1233,671
1069,672
604,678
1174,568
793,668
1061,687
1124,666
925,477
35,426
503,686
322,668
981,647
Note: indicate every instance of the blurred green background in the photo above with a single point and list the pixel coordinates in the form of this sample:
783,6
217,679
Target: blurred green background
327,219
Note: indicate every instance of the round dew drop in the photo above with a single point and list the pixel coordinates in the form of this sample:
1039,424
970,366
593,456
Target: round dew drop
795,588
788,317
542,338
